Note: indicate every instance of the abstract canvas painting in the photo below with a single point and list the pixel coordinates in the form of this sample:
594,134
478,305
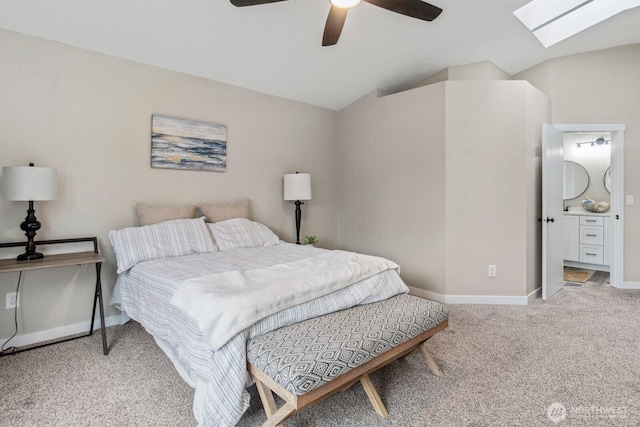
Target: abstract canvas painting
188,144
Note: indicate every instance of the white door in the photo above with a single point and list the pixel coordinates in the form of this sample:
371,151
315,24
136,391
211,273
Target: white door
615,239
552,224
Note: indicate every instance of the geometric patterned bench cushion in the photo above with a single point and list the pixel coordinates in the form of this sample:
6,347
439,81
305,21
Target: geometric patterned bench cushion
306,355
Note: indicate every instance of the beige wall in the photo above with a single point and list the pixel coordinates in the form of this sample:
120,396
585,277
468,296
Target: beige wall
601,87
88,115
483,70
396,176
492,161
445,180
391,159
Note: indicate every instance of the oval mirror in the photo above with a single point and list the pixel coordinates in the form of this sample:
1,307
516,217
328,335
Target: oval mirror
576,180
607,179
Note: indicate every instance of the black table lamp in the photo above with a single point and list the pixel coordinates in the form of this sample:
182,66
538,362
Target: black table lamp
29,184
297,186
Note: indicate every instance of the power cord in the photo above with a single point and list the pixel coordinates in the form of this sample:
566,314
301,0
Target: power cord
10,350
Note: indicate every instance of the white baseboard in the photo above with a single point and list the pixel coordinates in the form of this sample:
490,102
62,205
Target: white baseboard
537,293
475,299
60,332
119,319
494,299
629,285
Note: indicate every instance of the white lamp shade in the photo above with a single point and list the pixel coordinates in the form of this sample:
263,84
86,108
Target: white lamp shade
297,186
29,183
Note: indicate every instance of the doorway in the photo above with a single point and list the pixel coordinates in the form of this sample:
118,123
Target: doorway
587,165
554,204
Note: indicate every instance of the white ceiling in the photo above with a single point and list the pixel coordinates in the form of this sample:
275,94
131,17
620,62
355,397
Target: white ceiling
276,48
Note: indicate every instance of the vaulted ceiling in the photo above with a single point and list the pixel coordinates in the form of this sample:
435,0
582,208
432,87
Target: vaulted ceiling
276,48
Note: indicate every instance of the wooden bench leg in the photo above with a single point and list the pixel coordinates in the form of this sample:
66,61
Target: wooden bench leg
279,416
268,403
374,397
431,362
270,408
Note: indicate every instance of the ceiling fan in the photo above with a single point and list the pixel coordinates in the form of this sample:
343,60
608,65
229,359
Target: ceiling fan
339,8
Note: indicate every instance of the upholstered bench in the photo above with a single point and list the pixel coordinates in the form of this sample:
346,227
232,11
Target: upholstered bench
309,361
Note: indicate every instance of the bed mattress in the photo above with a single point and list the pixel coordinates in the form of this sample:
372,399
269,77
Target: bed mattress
220,377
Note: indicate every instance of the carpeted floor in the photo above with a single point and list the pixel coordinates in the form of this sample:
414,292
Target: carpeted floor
503,365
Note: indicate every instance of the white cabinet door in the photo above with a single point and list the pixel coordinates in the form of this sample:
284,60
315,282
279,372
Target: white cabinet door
571,237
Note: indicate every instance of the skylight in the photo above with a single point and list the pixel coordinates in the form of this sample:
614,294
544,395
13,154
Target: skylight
552,21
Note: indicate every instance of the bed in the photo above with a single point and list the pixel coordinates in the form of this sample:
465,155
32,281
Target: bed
179,279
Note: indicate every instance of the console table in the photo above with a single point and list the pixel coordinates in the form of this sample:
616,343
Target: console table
63,260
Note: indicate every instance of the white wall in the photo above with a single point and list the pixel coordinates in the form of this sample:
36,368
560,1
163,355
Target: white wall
594,88
89,116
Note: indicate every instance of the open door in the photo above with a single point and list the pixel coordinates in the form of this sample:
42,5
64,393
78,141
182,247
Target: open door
552,216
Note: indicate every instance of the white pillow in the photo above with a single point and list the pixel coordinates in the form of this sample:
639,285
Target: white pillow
241,233
163,240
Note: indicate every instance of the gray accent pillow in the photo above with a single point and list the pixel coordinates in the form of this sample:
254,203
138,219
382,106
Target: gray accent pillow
148,215
216,212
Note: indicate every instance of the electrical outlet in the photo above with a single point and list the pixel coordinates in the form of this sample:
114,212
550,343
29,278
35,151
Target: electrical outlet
492,270
12,300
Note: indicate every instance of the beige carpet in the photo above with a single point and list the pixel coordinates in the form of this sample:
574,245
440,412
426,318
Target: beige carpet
503,365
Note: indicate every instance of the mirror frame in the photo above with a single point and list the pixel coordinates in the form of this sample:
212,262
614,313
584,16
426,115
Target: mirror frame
606,179
585,187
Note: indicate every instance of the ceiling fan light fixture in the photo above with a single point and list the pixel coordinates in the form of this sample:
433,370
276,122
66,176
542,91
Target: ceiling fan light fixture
345,4
417,9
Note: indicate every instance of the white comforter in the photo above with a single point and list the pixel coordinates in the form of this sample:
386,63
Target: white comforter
224,304
220,377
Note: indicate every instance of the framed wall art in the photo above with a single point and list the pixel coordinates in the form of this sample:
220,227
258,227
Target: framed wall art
188,144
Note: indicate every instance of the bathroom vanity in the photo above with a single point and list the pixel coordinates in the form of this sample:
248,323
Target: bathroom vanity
586,239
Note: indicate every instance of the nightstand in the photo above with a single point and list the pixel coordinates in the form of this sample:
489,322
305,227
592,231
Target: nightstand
63,260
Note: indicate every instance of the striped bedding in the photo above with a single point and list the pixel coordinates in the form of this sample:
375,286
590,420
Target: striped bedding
220,377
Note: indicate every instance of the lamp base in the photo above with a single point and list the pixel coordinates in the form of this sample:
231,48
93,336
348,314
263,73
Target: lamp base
30,225
30,256
298,218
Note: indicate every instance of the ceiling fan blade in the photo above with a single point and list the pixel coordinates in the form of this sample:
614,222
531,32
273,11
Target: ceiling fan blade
333,27
413,8
241,3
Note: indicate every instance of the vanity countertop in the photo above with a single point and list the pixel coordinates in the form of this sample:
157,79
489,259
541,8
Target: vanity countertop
576,210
